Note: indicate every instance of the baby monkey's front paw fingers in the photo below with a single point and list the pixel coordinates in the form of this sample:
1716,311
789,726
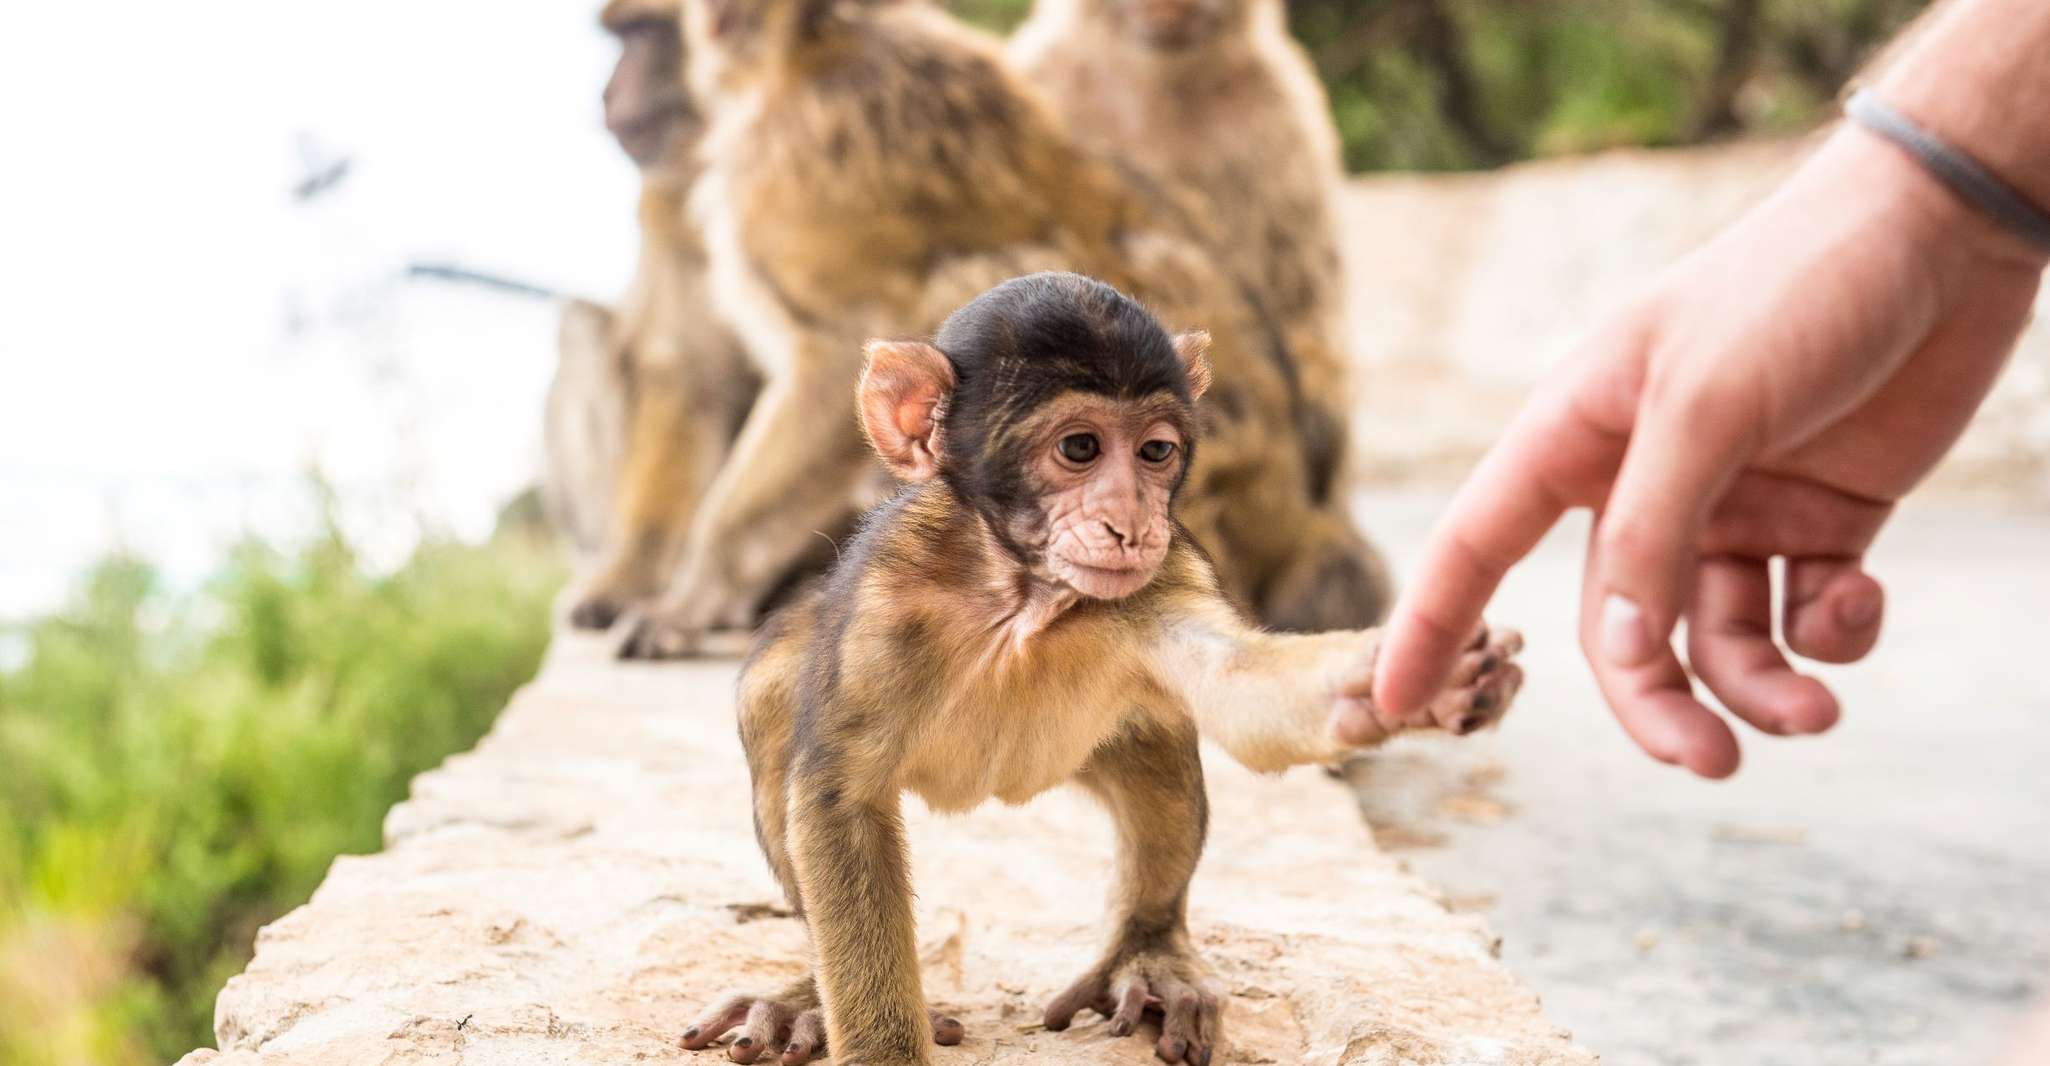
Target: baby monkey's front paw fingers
1483,683
1170,987
1092,991
762,1025
807,1038
1188,1031
946,1031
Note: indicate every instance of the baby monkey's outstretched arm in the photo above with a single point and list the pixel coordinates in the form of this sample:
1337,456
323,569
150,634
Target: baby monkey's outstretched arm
1268,698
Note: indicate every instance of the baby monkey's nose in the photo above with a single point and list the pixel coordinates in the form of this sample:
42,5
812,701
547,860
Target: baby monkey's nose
1122,539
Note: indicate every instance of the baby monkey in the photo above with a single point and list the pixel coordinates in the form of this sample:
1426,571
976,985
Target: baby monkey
1027,613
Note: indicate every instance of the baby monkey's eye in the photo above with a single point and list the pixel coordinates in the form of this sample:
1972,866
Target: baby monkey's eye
1156,451
1079,447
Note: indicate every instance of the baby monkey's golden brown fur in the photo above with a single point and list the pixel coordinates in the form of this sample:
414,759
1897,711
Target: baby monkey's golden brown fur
1028,613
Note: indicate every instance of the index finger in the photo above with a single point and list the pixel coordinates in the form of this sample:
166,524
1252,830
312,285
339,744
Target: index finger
1551,459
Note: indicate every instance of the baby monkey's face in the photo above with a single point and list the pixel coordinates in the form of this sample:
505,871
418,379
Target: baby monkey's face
1105,471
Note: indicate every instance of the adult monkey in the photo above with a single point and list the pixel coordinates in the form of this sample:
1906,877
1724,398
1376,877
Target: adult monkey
871,165
647,401
1215,100
1027,613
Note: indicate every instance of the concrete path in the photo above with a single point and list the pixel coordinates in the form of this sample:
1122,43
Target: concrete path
1877,895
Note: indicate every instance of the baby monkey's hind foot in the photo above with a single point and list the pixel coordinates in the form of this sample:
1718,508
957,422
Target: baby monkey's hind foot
788,1025
1172,984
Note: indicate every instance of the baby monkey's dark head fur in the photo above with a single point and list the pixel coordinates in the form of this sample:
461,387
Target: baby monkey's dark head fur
1057,409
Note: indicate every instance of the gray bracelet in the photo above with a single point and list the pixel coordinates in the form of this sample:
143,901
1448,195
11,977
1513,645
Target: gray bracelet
1972,182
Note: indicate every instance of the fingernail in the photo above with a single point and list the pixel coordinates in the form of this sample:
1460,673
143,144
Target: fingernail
1120,1028
790,1049
1858,610
1626,638
690,1033
745,1041
950,1021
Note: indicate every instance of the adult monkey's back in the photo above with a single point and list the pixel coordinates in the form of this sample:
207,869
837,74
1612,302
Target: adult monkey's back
873,165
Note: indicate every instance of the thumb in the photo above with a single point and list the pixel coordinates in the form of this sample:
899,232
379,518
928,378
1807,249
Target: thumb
1680,458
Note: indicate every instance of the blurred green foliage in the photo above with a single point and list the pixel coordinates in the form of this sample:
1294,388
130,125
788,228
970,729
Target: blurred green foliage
176,771
1460,84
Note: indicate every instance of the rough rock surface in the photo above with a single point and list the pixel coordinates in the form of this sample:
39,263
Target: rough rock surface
578,886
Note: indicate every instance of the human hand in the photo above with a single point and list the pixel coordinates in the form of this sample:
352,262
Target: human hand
1774,394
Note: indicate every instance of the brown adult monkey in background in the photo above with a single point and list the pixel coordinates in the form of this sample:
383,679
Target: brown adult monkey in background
1214,99
873,164
665,369
1026,614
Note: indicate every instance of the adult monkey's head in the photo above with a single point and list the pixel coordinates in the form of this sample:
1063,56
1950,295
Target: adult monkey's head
1058,410
648,108
1173,25
738,44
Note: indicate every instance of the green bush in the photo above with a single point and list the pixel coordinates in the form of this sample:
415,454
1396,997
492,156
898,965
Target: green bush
176,771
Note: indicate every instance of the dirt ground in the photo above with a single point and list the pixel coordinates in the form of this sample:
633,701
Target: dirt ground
1876,895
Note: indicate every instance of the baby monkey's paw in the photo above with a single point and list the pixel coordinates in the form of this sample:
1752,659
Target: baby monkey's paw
1475,696
1174,985
790,1024
1482,684
790,1020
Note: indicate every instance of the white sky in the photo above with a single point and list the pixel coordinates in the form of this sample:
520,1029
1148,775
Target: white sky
180,341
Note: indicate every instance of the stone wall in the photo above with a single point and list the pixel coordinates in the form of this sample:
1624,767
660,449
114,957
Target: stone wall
577,887
1468,288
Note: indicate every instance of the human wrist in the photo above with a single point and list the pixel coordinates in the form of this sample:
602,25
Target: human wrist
1929,214
1974,77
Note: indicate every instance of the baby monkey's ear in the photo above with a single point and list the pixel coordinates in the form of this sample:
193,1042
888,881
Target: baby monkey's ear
1194,348
902,388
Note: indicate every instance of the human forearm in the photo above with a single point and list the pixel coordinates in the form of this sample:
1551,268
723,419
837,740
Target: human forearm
1974,73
